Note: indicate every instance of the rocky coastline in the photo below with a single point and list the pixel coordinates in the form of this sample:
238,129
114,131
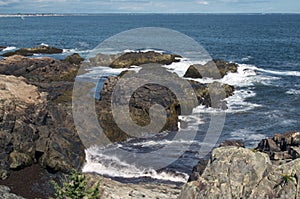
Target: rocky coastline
38,136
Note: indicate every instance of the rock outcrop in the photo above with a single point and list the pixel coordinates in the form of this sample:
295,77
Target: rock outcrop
43,69
36,131
209,70
133,59
149,94
32,130
34,50
281,148
236,172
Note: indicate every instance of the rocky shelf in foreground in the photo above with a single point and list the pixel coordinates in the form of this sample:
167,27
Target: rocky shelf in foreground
271,170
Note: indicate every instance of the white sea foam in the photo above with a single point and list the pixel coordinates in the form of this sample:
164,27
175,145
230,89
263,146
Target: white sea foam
237,102
247,58
151,143
69,51
114,167
9,48
281,73
293,92
43,44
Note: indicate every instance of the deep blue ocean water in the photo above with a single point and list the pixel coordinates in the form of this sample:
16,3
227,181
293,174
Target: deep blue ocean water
269,45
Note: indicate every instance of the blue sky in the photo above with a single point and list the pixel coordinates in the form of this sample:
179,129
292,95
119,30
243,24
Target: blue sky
150,6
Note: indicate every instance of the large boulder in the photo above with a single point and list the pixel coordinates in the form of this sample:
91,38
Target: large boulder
34,50
149,94
209,69
235,172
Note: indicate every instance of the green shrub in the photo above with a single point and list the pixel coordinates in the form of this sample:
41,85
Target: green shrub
286,179
75,187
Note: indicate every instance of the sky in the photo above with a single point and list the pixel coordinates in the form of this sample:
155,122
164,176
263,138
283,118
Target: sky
149,6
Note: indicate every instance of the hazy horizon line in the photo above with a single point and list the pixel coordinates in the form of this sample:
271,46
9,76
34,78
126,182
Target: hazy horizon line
110,13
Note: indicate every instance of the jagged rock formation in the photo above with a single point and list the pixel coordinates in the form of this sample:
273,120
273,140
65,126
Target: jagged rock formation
32,131
37,126
281,148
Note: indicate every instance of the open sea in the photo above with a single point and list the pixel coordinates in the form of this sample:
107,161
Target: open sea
267,96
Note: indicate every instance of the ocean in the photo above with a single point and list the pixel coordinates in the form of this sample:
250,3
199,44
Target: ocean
266,100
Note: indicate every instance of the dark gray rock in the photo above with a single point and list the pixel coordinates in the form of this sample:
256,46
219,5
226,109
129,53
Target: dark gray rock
282,147
216,69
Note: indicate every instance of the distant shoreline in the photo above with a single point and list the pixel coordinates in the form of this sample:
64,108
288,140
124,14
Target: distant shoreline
126,13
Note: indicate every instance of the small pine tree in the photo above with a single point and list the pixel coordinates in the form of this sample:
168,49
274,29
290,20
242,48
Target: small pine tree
76,188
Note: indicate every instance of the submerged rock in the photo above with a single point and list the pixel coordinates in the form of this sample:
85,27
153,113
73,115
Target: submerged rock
34,50
209,70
